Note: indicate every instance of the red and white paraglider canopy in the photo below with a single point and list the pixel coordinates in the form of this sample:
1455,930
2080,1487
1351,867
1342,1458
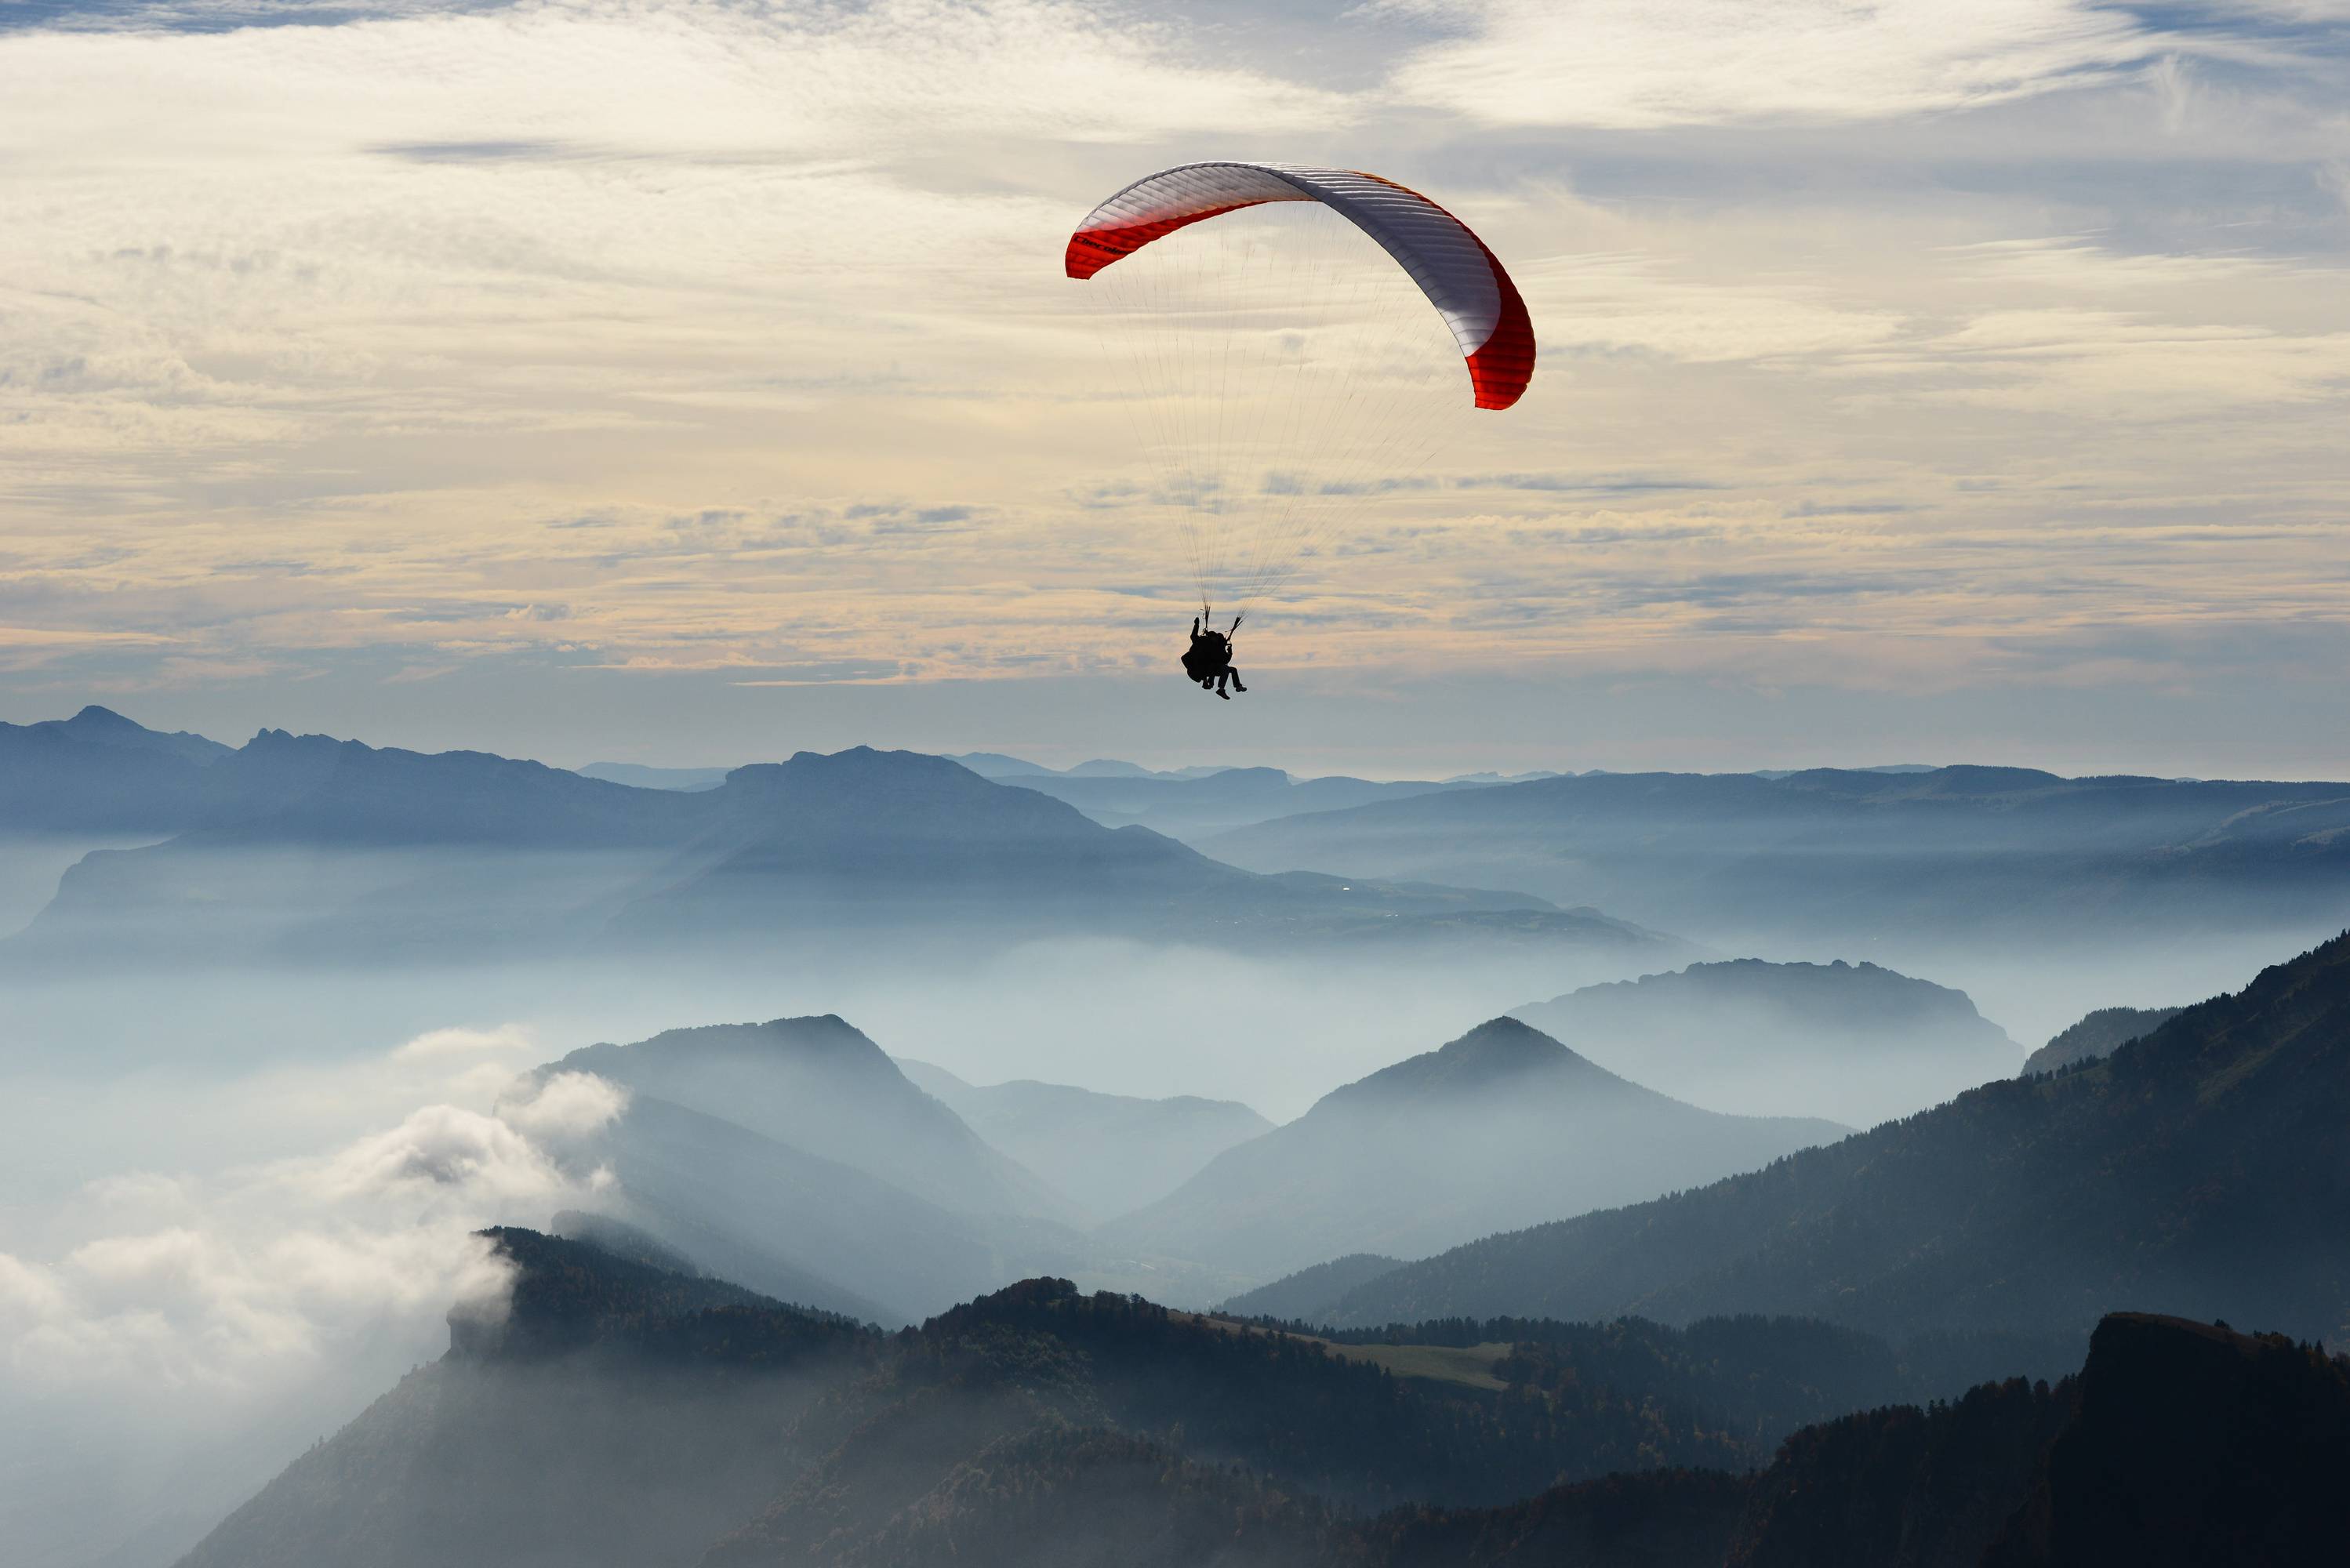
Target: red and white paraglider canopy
1442,255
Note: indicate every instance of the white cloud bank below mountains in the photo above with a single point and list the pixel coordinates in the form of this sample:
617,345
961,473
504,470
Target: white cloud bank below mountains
169,1341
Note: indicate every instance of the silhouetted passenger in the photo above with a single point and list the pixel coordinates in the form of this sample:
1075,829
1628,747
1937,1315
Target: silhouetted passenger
1209,659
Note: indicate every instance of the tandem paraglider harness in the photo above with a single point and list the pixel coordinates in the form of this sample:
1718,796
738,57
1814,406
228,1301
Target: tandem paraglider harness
1209,660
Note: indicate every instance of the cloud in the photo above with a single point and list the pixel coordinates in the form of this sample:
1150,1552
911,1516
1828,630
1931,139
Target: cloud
459,1042
567,1105
662,339
1624,65
1634,304
240,1282
2113,366
168,1340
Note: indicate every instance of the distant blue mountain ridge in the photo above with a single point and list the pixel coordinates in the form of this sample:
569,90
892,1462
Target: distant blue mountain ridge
294,847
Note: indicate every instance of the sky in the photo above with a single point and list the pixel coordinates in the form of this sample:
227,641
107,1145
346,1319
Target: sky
650,381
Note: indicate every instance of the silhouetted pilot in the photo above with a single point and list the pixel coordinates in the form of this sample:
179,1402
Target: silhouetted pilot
1209,660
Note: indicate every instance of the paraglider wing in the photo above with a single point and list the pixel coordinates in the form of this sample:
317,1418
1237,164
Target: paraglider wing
1460,277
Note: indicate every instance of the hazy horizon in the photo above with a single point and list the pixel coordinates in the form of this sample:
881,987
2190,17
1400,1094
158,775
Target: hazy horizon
232,722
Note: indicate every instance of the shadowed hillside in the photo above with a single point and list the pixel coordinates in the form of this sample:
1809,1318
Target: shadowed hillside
1303,1296
1040,1357
2193,1444
821,1085
1107,1153
2100,1033
1502,1127
804,1229
2179,1443
611,1418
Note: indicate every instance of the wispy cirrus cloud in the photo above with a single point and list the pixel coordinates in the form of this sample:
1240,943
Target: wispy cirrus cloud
1621,65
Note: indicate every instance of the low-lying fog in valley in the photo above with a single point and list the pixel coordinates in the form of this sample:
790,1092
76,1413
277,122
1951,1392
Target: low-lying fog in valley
974,1033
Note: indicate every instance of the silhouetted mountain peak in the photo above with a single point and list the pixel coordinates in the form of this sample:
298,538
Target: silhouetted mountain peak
270,739
826,1040
1498,1054
1850,995
860,761
1500,1129
97,725
866,791
1499,1046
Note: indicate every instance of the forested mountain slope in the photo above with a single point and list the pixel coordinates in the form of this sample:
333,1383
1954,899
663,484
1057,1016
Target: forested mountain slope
611,1419
618,1412
2098,1033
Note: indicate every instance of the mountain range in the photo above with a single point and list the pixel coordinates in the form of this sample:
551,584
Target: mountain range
305,848
629,1404
1854,1042
2196,1171
796,1156
1531,1296
1500,1128
99,772
618,1414
2009,857
2004,856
